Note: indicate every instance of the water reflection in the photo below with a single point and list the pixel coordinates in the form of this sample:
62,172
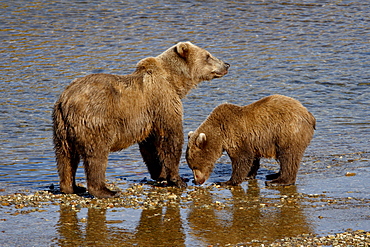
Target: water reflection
160,227
92,231
157,227
248,218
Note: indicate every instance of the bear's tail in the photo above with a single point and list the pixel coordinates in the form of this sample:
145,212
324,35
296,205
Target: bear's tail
63,150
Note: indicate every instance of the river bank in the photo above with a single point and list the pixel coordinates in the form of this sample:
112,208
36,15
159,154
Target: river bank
215,216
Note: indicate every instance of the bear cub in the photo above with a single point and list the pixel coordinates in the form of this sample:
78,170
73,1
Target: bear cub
274,127
102,113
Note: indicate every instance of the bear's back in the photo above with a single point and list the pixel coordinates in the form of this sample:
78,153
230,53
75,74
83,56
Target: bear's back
272,116
279,108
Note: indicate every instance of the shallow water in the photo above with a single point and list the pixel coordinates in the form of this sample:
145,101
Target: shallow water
314,51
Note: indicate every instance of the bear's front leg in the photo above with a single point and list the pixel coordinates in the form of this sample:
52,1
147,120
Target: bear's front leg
161,153
170,153
169,148
148,150
164,146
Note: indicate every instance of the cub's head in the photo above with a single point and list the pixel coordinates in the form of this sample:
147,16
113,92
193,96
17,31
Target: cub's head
202,63
201,156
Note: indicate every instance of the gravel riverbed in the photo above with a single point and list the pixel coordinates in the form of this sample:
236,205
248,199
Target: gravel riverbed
146,197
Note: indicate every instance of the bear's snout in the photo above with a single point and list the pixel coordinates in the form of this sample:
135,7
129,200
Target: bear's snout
199,177
221,70
225,69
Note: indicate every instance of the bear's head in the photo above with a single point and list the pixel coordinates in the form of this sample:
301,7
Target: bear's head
201,63
201,155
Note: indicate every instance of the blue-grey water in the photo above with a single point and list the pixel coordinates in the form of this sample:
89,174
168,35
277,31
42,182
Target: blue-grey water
315,51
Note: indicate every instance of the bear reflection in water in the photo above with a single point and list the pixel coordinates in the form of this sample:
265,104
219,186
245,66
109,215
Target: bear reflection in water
247,216
103,113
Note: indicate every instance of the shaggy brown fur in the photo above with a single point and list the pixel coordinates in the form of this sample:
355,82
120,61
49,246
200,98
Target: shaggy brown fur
103,113
274,127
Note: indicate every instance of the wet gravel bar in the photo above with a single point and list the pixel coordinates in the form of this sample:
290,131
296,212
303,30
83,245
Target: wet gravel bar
351,238
142,196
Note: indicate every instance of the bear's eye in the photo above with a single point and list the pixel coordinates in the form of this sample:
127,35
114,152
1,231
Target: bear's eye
208,57
195,168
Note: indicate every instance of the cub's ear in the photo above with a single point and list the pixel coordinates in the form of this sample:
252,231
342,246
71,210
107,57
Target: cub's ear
182,49
190,134
201,140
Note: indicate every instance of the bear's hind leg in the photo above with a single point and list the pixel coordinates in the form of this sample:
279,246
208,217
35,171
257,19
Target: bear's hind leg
67,163
95,168
74,163
289,165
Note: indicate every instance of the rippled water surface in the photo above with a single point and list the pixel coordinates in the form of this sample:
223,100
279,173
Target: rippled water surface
315,51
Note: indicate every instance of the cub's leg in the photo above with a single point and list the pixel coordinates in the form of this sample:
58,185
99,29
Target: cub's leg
241,167
289,165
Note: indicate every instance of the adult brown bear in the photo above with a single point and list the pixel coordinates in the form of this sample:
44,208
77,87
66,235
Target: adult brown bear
273,127
103,113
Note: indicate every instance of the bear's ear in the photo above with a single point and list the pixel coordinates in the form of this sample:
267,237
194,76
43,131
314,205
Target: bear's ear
201,140
190,134
182,49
